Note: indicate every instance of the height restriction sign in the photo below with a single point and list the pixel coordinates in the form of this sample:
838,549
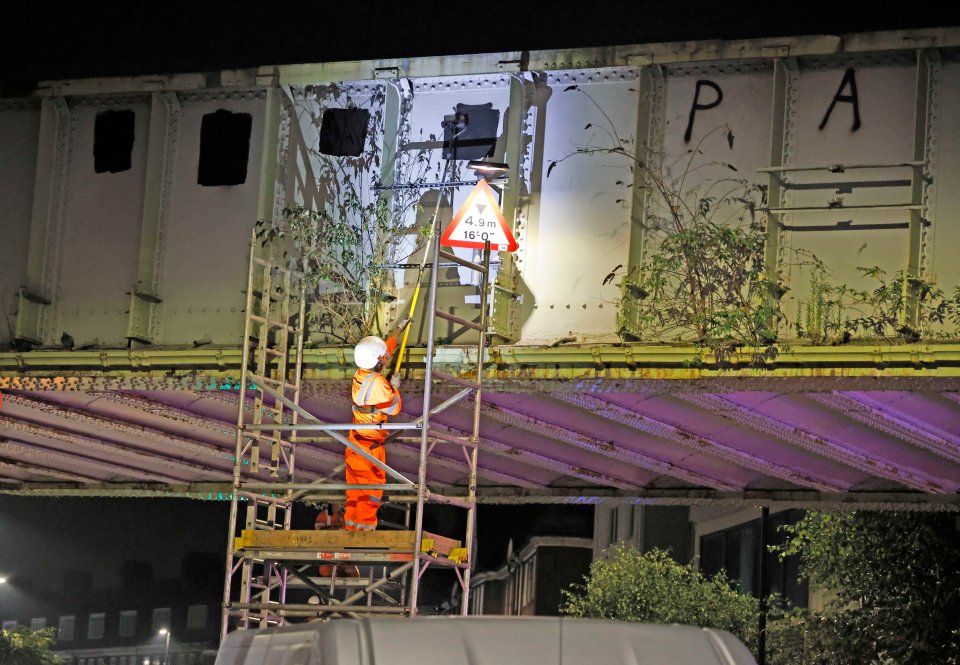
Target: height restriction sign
479,220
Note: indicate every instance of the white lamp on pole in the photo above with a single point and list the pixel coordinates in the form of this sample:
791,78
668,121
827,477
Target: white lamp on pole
166,645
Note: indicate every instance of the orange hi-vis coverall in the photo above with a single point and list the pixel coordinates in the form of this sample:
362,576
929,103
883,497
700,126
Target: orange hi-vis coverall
374,399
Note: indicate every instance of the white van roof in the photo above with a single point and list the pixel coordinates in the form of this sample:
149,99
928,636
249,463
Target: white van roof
482,641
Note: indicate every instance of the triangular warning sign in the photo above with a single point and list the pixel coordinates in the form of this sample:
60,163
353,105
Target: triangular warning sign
478,220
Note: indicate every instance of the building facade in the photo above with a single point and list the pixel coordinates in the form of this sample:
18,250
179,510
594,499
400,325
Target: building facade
531,582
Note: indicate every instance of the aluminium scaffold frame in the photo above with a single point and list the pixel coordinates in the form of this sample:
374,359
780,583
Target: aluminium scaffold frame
278,421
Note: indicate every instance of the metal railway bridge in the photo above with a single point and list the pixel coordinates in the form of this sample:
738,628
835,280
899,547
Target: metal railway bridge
855,425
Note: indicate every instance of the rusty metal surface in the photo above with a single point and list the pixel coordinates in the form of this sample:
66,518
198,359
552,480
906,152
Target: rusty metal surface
880,443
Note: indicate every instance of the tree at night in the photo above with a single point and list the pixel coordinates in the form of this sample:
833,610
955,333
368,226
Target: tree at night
22,646
894,583
653,588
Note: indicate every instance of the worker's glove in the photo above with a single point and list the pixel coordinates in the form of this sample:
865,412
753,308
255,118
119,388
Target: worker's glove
395,381
404,323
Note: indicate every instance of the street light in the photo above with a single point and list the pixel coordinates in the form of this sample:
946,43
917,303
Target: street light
487,169
3,580
166,645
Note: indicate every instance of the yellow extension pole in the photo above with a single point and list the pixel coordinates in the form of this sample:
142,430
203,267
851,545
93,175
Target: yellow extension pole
406,329
423,264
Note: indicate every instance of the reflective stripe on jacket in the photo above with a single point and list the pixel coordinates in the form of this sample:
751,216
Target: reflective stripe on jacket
374,399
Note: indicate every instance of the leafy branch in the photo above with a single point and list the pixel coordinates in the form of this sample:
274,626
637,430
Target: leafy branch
704,280
348,239
835,313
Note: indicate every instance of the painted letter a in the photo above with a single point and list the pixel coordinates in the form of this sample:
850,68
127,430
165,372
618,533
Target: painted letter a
850,79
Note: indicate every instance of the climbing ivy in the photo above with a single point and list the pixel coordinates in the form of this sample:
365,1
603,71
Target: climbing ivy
347,236
703,277
835,313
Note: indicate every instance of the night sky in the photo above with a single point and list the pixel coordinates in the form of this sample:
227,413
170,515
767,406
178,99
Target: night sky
44,40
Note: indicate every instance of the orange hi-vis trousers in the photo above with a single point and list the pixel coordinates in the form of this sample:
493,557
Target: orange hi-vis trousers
374,401
362,505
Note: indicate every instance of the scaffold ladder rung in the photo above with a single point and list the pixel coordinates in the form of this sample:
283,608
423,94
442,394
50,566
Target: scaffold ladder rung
449,256
274,324
459,321
450,378
266,380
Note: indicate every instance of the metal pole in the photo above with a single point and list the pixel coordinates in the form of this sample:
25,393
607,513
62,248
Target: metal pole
764,588
477,403
297,377
232,520
428,380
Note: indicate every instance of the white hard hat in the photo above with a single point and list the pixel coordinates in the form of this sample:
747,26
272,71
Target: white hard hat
367,352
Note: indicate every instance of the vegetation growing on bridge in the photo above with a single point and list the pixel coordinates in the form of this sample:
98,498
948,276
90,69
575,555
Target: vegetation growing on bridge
704,277
345,239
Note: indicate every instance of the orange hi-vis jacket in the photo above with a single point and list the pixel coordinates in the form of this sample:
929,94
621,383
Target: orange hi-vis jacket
374,400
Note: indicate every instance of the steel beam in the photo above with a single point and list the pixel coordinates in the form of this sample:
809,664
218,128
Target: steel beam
181,416
694,442
607,449
116,455
170,442
161,161
170,413
505,319
576,368
273,119
872,413
538,60
491,446
786,498
17,450
439,432
648,138
49,192
928,67
784,81
817,444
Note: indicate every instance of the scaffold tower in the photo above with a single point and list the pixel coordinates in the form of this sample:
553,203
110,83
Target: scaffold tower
266,559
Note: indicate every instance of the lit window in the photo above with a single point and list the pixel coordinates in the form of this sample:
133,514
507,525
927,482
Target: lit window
9,625
128,623
38,623
66,628
197,617
95,626
161,618
631,523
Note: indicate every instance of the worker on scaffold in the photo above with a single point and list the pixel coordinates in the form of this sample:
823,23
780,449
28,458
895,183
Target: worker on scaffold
374,400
